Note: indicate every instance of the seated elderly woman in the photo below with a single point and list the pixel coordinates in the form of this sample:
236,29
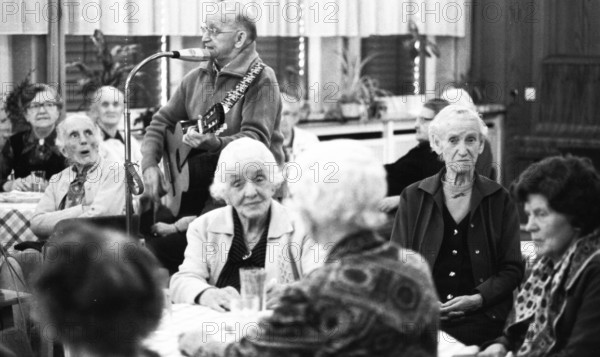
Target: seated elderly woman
556,312
249,232
370,298
90,187
33,149
100,291
467,228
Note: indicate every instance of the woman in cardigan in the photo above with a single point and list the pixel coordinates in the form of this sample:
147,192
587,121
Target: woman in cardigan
467,228
557,310
370,298
249,232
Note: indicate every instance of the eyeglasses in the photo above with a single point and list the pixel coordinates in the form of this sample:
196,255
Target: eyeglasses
47,106
212,31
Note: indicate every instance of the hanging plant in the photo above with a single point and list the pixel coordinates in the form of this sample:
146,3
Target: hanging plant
426,47
13,104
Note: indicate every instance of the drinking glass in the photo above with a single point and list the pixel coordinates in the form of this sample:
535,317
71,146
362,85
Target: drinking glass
253,290
39,179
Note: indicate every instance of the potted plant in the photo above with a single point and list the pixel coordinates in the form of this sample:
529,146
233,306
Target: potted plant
358,93
113,71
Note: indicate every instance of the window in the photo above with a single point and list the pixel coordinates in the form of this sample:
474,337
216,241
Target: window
393,64
282,54
145,89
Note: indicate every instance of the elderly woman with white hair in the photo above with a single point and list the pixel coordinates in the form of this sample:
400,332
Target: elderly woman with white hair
370,298
250,231
89,187
467,228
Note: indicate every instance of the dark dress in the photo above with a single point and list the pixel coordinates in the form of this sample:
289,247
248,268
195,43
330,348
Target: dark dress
24,154
492,253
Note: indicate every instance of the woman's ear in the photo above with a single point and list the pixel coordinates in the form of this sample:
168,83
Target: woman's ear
435,144
481,144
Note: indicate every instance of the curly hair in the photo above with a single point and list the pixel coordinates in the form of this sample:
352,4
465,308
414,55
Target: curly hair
99,289
439,125
339,183
570,184
436,104
63,127
237,157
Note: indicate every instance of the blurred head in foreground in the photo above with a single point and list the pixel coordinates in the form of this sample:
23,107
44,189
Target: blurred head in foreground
99,290
338,188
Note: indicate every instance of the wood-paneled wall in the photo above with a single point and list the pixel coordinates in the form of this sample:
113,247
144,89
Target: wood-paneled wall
553,47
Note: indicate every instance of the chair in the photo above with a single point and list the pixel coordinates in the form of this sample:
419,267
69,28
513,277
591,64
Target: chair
16,341
118,223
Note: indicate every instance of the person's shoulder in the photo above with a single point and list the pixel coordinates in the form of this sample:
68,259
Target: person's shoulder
428,185
20,134
191,78
588,273
490,187
267,71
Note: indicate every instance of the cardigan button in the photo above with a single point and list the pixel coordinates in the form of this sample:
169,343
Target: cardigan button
454,252
452,274
455,231
477,251
450,296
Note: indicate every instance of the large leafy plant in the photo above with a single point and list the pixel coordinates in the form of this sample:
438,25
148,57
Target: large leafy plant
114,64
354,87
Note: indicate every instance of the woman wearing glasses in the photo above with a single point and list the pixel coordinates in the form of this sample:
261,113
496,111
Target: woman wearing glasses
33,150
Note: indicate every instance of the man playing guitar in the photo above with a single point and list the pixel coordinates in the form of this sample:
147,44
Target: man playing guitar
229,35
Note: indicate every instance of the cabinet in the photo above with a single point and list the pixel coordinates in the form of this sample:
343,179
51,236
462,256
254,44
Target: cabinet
391,139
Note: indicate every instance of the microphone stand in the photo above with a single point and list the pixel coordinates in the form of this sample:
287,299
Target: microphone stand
128,164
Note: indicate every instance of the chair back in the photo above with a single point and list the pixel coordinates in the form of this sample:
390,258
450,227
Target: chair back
16,341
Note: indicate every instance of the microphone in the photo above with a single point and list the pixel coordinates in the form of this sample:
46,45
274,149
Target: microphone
191,54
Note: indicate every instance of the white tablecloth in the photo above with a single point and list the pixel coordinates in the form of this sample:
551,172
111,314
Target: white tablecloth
229,327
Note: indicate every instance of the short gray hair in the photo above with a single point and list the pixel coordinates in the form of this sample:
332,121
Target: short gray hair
61,130
439,127
238,153
244,16
340,184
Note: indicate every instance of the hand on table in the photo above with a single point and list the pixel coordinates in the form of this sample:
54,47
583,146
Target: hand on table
155,183
495,350
20,184
460,305
25,184
219,299
389,204
201,343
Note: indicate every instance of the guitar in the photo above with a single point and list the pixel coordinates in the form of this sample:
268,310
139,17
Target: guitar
175,152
